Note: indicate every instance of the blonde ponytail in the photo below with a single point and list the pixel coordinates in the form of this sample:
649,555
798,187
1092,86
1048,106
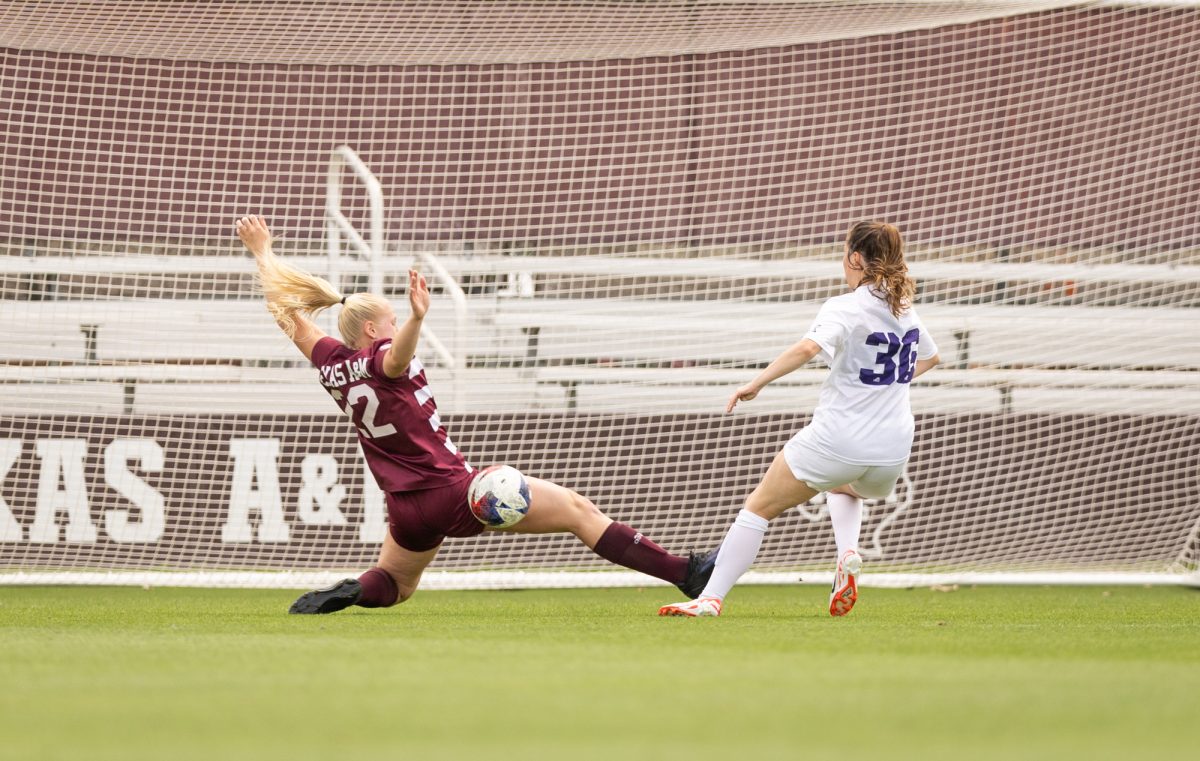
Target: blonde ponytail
884,268
292,291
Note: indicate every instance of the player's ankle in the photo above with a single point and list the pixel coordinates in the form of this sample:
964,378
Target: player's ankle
379,589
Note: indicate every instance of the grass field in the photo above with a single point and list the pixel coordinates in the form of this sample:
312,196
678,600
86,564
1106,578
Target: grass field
977,673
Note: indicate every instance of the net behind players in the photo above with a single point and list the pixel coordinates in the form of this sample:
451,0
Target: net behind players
861,434
375,377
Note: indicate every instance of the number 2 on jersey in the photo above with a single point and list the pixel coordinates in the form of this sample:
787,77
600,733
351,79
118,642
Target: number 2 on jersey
366,419
895,368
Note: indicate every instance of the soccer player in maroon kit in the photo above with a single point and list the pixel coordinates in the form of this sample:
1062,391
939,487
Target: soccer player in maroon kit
377,380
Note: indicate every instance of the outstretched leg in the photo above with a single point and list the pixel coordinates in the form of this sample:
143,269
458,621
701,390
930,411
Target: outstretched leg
393,580
555,509
778,491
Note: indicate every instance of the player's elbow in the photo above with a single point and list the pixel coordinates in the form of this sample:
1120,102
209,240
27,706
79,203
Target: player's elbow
925,365
805,350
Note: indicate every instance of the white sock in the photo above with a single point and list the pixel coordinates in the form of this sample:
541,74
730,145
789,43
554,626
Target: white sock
845,513
737,553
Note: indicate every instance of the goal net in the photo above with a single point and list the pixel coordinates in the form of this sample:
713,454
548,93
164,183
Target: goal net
626,209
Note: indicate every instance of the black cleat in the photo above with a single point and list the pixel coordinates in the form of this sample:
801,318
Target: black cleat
700,568
330,599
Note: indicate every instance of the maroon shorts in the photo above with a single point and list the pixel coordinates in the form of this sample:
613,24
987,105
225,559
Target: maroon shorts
420,520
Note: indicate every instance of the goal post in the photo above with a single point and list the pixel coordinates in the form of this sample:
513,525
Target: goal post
625,210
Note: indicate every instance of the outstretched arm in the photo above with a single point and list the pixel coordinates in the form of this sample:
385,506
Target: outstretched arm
257,239
306,335
793,358
404,343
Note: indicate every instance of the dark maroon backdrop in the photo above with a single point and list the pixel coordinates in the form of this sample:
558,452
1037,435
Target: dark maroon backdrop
1075,127
986,489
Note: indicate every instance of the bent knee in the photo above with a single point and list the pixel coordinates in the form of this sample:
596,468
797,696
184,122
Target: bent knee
768,507
760,503
582,508
584,505
762,509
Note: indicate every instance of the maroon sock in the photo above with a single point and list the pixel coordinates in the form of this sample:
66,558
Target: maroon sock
378,589
622,545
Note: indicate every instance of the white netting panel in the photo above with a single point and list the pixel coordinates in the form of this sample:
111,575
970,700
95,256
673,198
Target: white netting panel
458,32
642,204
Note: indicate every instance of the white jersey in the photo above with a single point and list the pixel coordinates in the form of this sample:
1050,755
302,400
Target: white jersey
863,414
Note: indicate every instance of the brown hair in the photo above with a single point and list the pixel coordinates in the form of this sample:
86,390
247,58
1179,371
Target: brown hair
884,269
291,291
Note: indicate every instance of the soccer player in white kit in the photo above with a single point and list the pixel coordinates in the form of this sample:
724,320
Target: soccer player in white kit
861,434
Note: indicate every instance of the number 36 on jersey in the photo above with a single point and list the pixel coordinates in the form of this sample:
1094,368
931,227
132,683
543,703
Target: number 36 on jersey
896,361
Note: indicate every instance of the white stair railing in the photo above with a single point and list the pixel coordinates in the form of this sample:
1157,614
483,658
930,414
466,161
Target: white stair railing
338,227
458,341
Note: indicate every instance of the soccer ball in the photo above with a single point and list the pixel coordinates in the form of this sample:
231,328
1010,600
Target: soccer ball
499,496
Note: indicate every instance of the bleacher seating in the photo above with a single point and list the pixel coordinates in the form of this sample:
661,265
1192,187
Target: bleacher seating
554,352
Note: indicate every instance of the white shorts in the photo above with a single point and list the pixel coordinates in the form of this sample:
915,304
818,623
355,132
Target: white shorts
824,473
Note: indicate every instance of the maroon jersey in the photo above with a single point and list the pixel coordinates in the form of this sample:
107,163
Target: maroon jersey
407,448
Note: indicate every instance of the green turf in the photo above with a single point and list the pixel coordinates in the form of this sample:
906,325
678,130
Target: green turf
978,673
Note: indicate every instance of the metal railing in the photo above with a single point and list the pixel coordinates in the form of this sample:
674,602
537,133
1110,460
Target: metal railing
458,341
337,225
453,357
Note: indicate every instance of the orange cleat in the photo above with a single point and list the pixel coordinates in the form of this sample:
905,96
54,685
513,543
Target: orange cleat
845,584
703,607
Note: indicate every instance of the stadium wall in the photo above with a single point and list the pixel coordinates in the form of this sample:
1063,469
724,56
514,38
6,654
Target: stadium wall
1086,119
286,492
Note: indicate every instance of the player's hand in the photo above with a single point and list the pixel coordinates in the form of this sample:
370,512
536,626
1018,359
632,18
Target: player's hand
254,234
418,294
743,394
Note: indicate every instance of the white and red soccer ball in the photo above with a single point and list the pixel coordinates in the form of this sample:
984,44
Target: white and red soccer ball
499,496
